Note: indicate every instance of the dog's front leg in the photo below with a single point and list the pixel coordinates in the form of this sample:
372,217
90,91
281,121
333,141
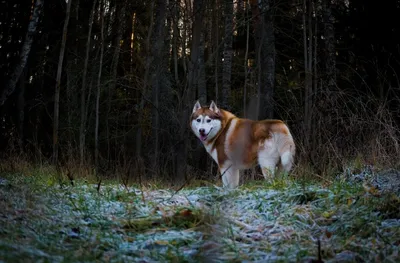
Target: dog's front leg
230,176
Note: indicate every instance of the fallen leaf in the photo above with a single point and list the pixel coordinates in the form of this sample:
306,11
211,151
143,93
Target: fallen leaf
328,234
370,189
186,212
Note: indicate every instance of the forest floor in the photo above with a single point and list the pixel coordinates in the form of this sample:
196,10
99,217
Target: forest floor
279,221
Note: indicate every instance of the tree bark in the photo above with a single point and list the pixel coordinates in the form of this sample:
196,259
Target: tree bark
96,131
23,57
188,99
157,72
196,38
246,54
228,54
175,39
216,48
265,50
308,51
82,128
201,79
329,38
144,96
315,84
21,110
111,88
58,87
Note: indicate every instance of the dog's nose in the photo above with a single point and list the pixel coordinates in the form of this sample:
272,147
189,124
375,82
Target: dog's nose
202,130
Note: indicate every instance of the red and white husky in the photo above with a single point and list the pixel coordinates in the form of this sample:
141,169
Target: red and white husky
236,143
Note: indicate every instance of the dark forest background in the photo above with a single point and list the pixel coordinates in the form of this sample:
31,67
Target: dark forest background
107,86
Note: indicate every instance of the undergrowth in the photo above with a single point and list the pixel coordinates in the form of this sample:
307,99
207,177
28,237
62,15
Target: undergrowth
46,218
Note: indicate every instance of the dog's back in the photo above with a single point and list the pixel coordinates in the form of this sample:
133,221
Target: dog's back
270,138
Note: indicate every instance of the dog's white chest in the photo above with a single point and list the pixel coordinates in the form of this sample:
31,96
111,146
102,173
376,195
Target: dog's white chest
212,152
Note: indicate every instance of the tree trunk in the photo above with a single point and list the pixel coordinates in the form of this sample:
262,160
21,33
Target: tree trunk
111,88
189,92
82,128
196,38
315,85
175,40
308,51
329,38
144,96
96,131
216,48
201,79
58,87
157,72
185,36
228,54
246,54
71,105
21,110
23,57
265,50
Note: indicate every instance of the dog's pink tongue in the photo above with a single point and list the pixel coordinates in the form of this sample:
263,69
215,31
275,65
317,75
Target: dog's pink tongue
203,137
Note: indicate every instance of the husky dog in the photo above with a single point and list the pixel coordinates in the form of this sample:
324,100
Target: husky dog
235,143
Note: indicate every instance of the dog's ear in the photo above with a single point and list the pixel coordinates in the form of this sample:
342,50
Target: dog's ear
213,107
196,106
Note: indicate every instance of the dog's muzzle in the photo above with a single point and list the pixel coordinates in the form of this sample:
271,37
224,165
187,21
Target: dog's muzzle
203,135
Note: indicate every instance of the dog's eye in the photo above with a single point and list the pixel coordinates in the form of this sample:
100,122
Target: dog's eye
208,120
198,120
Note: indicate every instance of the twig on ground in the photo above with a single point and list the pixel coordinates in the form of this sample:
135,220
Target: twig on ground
98,186
70,177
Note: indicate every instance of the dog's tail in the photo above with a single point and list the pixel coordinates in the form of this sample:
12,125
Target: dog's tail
286,149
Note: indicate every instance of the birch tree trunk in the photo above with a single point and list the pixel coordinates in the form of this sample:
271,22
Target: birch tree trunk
23,57
58,87
96,131
82,128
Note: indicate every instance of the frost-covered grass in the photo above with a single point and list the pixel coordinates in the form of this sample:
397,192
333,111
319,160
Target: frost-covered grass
279,221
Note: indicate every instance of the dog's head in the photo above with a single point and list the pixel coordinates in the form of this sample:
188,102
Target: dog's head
206,121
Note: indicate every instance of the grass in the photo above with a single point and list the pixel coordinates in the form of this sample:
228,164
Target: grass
44,220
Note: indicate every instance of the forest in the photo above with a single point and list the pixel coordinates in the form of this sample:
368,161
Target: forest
98,161
111,84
